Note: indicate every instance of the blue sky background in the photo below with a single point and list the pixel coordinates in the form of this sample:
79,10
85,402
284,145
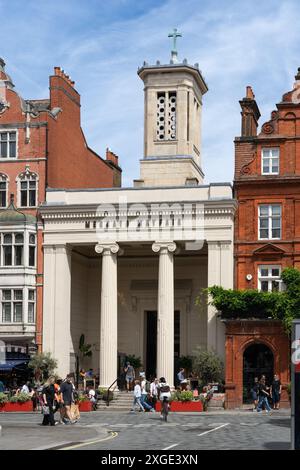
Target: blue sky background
100,44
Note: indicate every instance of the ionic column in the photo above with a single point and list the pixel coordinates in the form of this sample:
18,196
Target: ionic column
109,314
57,305
165,314
220,273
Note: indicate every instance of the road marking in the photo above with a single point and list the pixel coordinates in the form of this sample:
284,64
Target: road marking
215,429
171,447
88,443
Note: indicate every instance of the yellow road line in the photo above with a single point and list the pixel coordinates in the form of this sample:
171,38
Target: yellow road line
112,436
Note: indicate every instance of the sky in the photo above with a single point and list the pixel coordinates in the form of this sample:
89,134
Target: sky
101,44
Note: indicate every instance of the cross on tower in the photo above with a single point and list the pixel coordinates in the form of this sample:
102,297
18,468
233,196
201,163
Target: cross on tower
174,35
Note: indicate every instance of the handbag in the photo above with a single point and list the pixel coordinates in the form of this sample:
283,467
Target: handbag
45,410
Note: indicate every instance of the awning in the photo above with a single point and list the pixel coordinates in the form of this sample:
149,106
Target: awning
9,365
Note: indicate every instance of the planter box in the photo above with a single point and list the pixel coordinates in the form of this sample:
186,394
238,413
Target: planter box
17,407
85,406
180,406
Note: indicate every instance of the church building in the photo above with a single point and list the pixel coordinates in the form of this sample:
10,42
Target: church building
124,266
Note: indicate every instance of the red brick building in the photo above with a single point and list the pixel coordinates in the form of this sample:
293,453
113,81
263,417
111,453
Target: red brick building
42,146
267,235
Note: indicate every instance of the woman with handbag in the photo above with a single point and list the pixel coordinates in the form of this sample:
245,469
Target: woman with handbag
48,394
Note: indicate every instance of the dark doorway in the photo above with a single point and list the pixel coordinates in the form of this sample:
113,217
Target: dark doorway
151,342
258,360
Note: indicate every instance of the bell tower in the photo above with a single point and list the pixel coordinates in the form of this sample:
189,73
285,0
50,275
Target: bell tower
172,122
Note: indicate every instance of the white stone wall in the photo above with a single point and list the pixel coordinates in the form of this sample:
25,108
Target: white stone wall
133,301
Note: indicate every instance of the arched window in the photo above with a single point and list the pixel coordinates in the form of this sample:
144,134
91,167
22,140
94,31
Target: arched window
3,190
28,189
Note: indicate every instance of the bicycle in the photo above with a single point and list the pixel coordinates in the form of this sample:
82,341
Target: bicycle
165,409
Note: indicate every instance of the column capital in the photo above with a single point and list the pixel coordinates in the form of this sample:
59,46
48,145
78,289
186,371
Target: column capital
167,246
110,248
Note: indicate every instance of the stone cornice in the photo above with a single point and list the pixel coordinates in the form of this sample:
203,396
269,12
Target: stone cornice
211,208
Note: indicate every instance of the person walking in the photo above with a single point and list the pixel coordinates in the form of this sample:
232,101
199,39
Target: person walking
48,395
154,391
276,392
66,390
263,395
137,394
129,376
144,385
164,393
254,392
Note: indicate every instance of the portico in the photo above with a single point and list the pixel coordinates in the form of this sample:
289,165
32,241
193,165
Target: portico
107,270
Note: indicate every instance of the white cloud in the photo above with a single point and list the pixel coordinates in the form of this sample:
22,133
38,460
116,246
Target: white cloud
235,43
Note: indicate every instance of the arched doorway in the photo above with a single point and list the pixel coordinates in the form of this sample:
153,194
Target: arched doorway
258,360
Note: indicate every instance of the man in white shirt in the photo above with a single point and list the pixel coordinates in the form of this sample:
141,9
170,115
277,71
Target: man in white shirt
154,391
137,394
145,394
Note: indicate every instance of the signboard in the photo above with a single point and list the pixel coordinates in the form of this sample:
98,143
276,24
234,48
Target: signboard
295,385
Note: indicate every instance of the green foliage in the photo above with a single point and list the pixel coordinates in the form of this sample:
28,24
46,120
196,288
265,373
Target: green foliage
83,398
247,304
136,362
44,364
186,362
20,398
3,398
84,349
208,366
102,390
185,395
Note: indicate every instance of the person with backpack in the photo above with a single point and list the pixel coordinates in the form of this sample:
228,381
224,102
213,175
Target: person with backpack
164,392
145,389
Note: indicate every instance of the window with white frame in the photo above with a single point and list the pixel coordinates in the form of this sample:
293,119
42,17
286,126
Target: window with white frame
269,221
3,190
270,161
32,245
12,305
269,278
8,144
31,306
15,302
28,190
12,249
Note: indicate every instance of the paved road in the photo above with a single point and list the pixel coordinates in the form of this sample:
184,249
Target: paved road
128,431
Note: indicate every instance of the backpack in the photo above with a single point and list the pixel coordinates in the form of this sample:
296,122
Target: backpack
164,388
147,386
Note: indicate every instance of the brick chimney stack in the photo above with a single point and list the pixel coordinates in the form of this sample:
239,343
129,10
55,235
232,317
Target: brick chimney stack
61,73
112,157
250,114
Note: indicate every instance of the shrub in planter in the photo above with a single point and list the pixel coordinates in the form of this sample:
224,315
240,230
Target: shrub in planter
21,398
3,399
185,395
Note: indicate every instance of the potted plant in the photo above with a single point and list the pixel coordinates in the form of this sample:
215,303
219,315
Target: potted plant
17,403
3,400
84,403
183,401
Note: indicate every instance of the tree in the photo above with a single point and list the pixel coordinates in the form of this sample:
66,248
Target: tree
208,366
43,365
